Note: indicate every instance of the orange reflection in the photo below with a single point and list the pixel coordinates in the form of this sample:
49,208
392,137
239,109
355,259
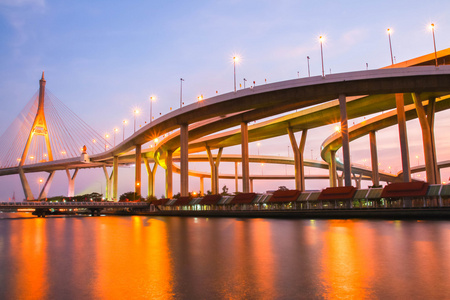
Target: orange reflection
138,263
347,271
264,268
253,261
28,249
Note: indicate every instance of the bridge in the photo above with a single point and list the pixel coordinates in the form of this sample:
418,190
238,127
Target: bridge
49,137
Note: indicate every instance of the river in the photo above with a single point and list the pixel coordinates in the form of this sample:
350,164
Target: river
141,257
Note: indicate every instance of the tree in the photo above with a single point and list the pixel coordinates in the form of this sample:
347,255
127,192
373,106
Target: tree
131,196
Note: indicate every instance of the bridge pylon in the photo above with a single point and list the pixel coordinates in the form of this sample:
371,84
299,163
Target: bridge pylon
39,128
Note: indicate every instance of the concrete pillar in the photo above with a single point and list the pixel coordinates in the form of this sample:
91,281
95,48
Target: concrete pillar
345,139
46,187
151,173
108,177
245,160
332,169
71,191
340,179
184,161
401,120
298,158
430,163
115,177
430,117
236,176
137,176
25,186
202,187
357,180
169,175
374,159
214,169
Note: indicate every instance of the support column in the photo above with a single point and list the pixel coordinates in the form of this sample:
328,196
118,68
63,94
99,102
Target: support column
332,169
169,175
108,177
251,185
298,158
71,191
115,177
374,159
184,161
430,117
46,188
236,176
137,176
245,160
345,140
401,120
430,163
214,169
26,187
151,173
202,187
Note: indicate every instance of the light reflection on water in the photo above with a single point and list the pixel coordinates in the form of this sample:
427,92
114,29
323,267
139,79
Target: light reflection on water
212,258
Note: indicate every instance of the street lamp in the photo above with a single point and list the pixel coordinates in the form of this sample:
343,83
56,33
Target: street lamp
321,39
152,98
235,58
390,45
135,113
115,131
106,137
40,182
200,98
434,42
258,144
124,122
181,92
244,82
309,73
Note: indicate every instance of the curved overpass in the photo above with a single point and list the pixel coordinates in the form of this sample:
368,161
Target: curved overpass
372,91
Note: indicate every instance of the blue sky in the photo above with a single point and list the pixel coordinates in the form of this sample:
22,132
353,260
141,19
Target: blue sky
103,58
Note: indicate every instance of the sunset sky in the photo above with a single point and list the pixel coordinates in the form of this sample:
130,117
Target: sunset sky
105,58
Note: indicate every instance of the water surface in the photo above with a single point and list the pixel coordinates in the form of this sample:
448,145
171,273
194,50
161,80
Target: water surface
142,257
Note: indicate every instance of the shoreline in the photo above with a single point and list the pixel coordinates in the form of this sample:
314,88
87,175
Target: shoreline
383,214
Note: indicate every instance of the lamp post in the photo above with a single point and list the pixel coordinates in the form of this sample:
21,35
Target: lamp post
235,58
40,181
258,144
106,137
135,113
434,43
309,73
181,92
123,131
244,82
152,98
115,131
321,38
390,44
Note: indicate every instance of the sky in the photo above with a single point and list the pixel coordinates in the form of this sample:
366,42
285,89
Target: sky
103,59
